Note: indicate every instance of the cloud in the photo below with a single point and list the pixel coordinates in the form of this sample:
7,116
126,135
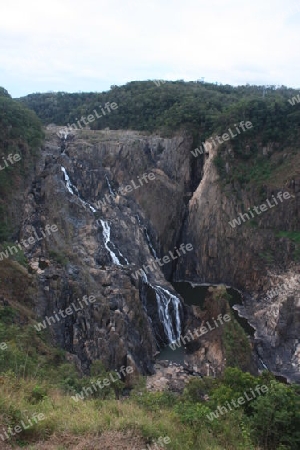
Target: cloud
78,46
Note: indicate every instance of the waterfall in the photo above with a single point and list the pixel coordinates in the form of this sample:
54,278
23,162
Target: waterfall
152,250
164,298
109,186
68,181
166,303
92,208
63,136
263,364
150,244
106,236
105,227
71,188
124,257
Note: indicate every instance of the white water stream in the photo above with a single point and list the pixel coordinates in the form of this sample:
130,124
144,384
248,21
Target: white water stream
152,250
106,236
166,302
109,187
71,188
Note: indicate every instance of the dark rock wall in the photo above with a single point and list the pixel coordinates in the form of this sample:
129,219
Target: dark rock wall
185,203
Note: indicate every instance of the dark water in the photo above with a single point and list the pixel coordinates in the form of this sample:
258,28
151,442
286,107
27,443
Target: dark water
191,295
236,299
176,355
195,295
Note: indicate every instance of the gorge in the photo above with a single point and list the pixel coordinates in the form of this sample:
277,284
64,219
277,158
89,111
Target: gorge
117,252
134,317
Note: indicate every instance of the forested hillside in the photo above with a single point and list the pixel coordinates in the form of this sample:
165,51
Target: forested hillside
200,107
229,411
20,134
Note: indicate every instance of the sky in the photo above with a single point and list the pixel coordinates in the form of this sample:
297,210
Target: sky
78,46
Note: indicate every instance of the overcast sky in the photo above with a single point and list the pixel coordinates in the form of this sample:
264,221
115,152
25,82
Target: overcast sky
72,45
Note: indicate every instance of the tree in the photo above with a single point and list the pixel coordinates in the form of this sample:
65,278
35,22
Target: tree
276,418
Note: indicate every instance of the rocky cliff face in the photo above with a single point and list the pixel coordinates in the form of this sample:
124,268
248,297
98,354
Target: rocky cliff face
250,258
108,238
106,242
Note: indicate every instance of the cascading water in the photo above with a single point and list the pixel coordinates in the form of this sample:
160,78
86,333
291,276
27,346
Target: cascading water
106,236
63,136
150,244
105,226
152,250
71,188
67,180
164,300
169,307
109,186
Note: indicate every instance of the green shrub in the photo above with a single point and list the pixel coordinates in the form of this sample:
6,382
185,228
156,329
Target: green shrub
154,401
276,418
37,394
194,414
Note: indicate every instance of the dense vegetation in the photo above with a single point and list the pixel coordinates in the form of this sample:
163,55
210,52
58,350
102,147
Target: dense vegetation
197,106
203,109
35,377
20,133
258,152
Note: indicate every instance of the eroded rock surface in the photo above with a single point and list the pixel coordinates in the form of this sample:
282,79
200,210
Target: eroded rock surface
105,236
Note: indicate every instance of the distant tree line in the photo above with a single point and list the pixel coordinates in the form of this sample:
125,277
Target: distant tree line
20,133
199,107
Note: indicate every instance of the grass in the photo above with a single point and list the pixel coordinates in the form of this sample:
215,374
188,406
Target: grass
93,417
35,378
